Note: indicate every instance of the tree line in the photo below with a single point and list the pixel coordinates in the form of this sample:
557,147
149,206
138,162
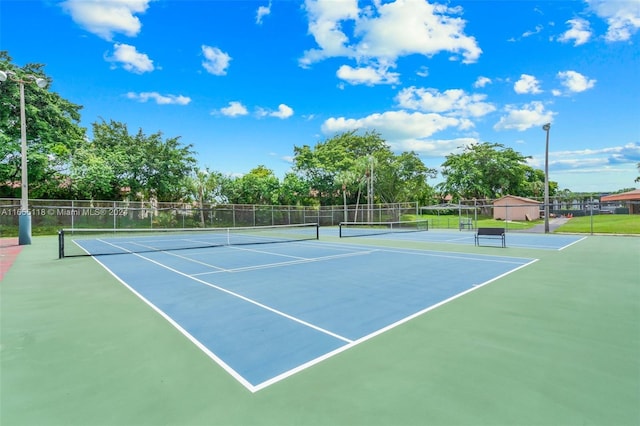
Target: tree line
116,164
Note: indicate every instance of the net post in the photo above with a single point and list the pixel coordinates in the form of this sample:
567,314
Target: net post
61,244
317,231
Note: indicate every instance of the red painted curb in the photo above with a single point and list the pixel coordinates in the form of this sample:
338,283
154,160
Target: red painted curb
9,250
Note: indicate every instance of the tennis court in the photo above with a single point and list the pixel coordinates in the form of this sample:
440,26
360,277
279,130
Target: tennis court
264,310
388,329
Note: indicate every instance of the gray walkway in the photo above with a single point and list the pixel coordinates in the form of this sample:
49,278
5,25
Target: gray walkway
554,223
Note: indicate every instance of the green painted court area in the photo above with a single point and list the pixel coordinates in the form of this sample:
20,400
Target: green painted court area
553,343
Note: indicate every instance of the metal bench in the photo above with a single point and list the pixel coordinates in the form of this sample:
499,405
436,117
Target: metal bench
492,233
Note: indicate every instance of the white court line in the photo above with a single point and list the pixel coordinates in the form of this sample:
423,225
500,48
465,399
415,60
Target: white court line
226,367
218,268
435,238
246,299
349,343
380,331
239,296
444,254
575,242
294,262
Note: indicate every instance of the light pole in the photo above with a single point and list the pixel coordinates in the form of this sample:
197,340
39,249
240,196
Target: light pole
24,217
546,128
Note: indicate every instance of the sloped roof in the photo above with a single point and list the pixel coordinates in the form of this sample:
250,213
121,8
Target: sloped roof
625,196
448,206
521,199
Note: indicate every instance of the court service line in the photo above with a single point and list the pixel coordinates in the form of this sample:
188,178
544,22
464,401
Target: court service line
246,299
292,262
239,296
196,261
159,250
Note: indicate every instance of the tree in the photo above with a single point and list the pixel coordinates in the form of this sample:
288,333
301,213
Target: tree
53,133
294,191
344,179
259,186
146,166
404,178
335,168
320,165
486,170
204,186
92,174
638,178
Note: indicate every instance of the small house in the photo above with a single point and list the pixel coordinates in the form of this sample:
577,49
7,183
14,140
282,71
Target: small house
631,199
511,207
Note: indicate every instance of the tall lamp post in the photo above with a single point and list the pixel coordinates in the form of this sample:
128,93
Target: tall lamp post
546,128
24,217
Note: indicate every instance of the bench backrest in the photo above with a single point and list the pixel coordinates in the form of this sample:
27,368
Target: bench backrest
490,231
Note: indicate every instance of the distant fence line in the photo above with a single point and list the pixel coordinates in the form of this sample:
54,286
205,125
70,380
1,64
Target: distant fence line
56,214
137,214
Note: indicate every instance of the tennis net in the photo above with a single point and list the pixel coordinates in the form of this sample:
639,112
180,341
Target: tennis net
95,242
359,229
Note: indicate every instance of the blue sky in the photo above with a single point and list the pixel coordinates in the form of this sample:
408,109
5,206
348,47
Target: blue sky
244,81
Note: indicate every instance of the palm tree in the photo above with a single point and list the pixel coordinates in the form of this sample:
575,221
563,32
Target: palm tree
344,179
203,183
364,169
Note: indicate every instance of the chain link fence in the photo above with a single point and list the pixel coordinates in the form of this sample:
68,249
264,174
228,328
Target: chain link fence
522,213
47,216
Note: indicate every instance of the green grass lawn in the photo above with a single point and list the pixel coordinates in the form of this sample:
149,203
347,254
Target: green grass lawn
452,222
603,224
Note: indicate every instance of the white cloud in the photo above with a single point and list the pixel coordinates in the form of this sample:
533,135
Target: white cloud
406,131
527,84
106,17
160,99
395,124
481,82
234,109
537,30
284,111
423,71
325,27
130,59
575,82
367,75
623,17
453,101
579,33
406,27
525,117
624,154
262,12
382,32
433,148
216,61
592,160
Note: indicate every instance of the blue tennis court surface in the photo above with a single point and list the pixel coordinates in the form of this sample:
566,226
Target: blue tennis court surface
264,312
515,239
